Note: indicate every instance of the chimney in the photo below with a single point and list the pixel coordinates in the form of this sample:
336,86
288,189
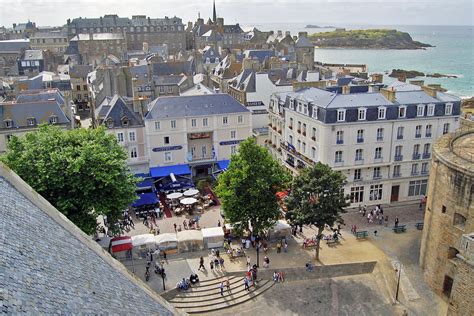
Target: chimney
279,33
402,77
101,21
346,89
417,82
389,94
145,47
14,25
220,22
431,91
377,78
190,25
287,33
302,34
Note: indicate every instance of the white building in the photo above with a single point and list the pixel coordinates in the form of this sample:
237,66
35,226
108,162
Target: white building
198,131
381,141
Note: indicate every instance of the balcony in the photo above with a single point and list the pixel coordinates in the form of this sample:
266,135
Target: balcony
340,141
416,156
424,172
291,149
399,137
378,160
358,179
397,175
360,140
417,135
379,139
338,163
398,158
359,161
377,177
428,135
426,156
414,173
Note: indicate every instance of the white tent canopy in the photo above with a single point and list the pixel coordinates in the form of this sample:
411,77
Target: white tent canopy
213,237
188,201
174,196
167,241
144,240
280,230
190,240
191,192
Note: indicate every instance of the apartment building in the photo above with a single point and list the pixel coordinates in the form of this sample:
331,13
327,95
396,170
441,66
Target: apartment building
381,141
198,131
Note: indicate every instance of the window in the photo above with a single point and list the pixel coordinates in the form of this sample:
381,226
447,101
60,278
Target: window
338,156
53,119
173,124
416,149
448,109
341,115
225,120
170,89
378,153
452,252
298,145
233,149
400,131
379,134
357,174
8,137
305,109
382,111
291,123
430,110
417,187
193,122
131,136
357,194
313,133
420,110
133,152
232,134
426,150
205,121
358,156
31,121
120,138
360,136
8,123
157,125
398,153
290,139
168,156
78,87
303,149
377,173
313,153
292,104
314,114
443,209
396,171
459,220
445,128
428,131
299,127
162,89
375,192
362,113
204,151
418,131
240,119
424,168
166,140
304,129
339,137
414,169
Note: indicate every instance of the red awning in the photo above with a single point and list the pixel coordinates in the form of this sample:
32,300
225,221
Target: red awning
121,243
281,195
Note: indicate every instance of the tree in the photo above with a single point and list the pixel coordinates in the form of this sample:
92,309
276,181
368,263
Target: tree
317,198
82,172
248,188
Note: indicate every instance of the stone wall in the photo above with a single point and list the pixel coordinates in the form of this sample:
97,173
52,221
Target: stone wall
462,295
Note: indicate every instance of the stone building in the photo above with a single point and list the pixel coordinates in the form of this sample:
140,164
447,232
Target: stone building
447,247
94,47
55,41
10,51
79,91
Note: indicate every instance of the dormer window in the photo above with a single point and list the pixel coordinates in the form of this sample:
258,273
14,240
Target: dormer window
361,114
53,119
448,110
31,121
8,123
292,104
110,123
381,112
341,115
315,112
125,121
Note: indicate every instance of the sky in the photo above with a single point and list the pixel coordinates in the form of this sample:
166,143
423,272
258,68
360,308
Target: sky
336,12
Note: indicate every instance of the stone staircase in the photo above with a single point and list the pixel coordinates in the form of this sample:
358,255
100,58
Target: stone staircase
206,297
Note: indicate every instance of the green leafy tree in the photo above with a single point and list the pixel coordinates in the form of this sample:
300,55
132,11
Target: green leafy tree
248,188
82,172
317,198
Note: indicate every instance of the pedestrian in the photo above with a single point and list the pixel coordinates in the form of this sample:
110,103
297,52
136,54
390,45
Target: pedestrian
211,264
396,221
360,209
375,233
217,253
246,284
386,220
201,263
279,247
285,247
248,261
227,284
364,210
164,254
266,262
222,288
218,223
380,219
175,227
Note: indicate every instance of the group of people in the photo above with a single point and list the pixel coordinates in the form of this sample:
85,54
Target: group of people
375,215
278,276
187,224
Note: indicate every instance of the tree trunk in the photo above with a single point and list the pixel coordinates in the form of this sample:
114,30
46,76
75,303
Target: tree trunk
318,241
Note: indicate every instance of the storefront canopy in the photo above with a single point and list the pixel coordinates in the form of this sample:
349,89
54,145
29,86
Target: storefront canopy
145,199
145,239
159,172
223,164
121,243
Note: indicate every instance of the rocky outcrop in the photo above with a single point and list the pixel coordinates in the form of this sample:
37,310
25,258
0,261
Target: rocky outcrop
397,73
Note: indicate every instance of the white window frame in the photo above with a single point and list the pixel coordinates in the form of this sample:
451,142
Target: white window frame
168,156
341,115
420,110
157,126
132,138
120,137
382,112
361,114
448,109
133,153
225,120
233,134
292,104
173,124
314,114
205,122
240,119
193,122
400,108
430,110
233,149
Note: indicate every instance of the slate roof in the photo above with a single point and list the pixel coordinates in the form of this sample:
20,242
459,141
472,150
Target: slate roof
168,80
260,54
40,110
303,41
118,109
14,45
245,81
97,37
173,68
115,20
79,71
40,95
49,266
233,29
190,106
403,86
198,89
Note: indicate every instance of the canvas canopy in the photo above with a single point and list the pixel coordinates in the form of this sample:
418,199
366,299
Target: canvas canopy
213,237
167,241
145,240
190,240
281,230
121,243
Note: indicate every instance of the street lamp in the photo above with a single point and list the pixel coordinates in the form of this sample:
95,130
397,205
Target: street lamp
163,278
398,281
258,252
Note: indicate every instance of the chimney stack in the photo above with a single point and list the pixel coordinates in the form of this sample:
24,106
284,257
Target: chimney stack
302,34
346,89
417,82
431,91
389,94
402,77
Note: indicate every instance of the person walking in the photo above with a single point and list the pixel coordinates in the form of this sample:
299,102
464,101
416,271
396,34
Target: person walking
246,284
396,221
175,227
386,220
218,223
227,285
201,264
285,247
248,261
279,247
221,286
211,264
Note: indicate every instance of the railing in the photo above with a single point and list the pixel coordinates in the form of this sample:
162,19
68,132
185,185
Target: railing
296,153
426,156
414,173
398,158
377,177
379,139
424,171
428,135
339,163
378,159
417,135
399,137
340,141
359,161
416,156
396,175
358,179
360,140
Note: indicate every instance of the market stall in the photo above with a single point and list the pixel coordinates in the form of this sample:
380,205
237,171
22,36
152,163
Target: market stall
145,241
190,240
213,237
167,242
281,230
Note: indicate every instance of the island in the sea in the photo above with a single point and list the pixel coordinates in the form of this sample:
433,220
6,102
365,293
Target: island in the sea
312,26
409,74
366,39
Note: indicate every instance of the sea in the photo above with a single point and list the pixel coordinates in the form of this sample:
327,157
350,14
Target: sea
453,53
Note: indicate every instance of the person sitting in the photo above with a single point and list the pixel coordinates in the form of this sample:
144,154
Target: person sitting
194,278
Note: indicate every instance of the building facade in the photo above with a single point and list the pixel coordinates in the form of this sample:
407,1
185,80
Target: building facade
381,141
447,246
195,130
55,41
93,48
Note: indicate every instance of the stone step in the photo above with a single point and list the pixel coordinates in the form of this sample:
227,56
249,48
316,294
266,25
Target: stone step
217,280
225,303
211,294
210,287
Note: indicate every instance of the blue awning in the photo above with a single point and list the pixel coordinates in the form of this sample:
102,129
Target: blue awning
147,183
223,164
145,199
158,172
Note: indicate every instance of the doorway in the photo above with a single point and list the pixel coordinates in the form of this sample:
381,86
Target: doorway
395,192
447,285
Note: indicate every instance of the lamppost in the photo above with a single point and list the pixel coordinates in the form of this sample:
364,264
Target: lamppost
163,278
398,281
258,252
